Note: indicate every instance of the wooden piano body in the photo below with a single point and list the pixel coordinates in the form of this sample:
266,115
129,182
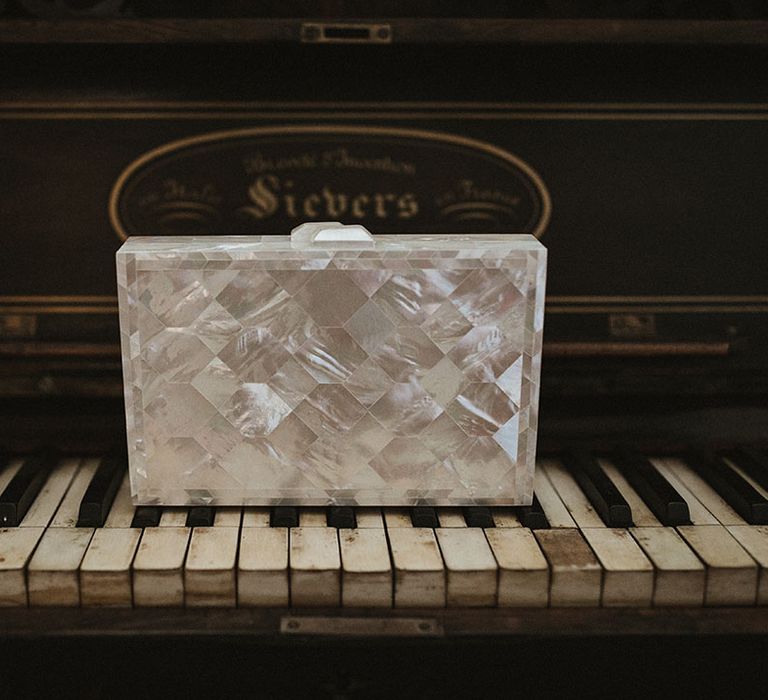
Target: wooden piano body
633,147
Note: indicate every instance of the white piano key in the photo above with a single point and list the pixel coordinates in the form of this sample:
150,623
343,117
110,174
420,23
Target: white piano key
312,517
575,573
699,513
315,566
641,513
731,572
505,517
158,568
747,478
754,538
46,504
369,517
680,575
470,568
122,510
397,517
419,570
227,517
523,569
366,569
173,517
553,506
705,494
16,547
255,517
69,509
451,517
262,574
53,572
627,572
210,577
572,496
105,572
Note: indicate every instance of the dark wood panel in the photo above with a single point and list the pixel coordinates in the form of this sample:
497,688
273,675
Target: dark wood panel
442,623
408,30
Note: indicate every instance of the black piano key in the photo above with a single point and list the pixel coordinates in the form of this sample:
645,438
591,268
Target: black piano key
23,488
146,516
753,462
478,516
533,516
201,516
736,491
657,493
284,516
102,490
341,517
424,516
599,489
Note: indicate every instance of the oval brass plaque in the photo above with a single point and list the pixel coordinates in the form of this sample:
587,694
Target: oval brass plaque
268,179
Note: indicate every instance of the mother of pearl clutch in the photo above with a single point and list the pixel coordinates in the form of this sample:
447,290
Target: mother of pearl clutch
332,367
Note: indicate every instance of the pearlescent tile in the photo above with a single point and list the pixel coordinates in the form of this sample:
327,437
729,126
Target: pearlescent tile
406,409
394,373
331,356
368,383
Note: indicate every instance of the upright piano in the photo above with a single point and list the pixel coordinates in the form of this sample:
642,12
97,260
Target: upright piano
629,137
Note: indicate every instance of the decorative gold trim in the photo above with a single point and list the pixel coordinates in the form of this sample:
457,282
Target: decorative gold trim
454,139
380,115
255,104
692,309
58,309
38,299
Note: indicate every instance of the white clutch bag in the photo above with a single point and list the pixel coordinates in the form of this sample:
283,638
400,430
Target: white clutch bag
332,367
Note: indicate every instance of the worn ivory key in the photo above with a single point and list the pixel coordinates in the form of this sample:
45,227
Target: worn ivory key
366,569
16,547
122,510
105,573
754,538
48,500
419,571
158,569
262,573
576,576
369,517
470,567
53,573
209,572
255,517
680,575
627,573
451,517
523,570
731,572
315,567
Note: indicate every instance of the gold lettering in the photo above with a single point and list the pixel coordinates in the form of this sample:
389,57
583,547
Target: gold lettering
262,195
310,205
357,205
407,205
335,204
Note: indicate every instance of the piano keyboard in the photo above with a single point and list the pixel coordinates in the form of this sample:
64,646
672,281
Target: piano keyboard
625,531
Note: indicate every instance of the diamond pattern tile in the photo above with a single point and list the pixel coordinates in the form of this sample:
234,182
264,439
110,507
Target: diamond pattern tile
395,373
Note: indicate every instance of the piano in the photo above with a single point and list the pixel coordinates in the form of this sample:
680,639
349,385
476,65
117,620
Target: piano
630,139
